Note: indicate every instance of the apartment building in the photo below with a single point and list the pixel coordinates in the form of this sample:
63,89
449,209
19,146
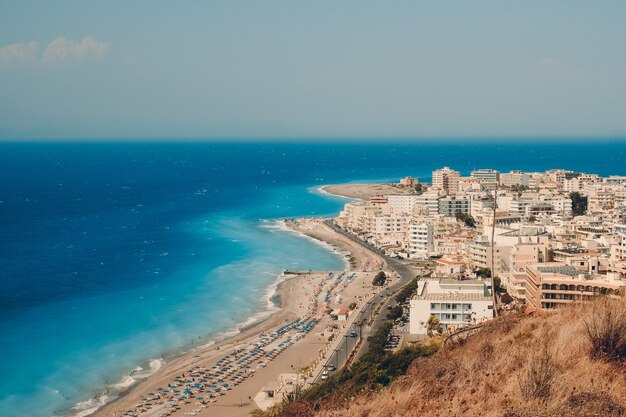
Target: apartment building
515,178
555,284
446,180
402,203
486,175
456,303
449,206
420,240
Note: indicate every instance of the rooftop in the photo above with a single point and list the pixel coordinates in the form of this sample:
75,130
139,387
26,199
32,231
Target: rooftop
453,297
562,269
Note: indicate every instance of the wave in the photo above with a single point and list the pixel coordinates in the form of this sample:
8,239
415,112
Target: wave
112,391
90,406
280,225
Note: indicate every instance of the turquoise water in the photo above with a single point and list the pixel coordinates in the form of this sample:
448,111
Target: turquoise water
113,255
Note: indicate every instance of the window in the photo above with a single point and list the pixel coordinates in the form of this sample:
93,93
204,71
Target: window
454,317
467,306
490,307
448,307
434,306
455,306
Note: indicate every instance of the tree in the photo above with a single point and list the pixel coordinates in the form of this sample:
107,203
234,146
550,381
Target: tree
395,313
483,272
465,218
379,279
579,203
352,306
497,282
433,326
519,189
420,188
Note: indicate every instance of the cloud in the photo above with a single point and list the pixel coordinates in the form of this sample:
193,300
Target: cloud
19,52
58,51
63,49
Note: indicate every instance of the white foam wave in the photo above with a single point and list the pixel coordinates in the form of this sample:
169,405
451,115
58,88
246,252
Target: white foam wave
281,225
90,406
126,382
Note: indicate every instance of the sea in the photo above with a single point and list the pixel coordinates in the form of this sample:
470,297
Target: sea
115,256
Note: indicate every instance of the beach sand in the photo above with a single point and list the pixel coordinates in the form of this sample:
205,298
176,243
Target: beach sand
296,295
364,191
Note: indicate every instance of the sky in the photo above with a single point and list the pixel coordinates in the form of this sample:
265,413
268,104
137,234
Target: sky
319,69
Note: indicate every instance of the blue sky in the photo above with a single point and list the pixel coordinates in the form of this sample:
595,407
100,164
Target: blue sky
280,69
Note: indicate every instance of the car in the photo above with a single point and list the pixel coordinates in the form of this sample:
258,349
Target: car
389,307
353,334
325,375
331,367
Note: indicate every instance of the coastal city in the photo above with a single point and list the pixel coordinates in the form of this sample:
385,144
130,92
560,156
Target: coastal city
558,237
419,260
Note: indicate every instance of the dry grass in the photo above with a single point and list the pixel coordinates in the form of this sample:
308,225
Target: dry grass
516,367
606,331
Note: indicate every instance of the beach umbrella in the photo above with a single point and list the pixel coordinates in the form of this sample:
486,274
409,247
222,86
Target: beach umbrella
151,393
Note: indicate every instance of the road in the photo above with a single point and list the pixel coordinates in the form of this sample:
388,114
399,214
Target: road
373,314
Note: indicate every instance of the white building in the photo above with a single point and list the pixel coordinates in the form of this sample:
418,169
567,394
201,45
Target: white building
402,203
421,240
455,303
512,178
488,175
428,203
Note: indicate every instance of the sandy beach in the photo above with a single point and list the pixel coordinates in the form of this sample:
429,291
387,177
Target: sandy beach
363,191
223,379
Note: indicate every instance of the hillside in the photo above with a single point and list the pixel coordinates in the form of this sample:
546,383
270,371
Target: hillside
518,366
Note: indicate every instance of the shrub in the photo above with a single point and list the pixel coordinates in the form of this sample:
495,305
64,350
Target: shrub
536,380
605,327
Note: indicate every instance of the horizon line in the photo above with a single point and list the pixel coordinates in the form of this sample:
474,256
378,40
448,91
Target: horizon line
318,139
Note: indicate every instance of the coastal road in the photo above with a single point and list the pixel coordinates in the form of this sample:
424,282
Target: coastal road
374,311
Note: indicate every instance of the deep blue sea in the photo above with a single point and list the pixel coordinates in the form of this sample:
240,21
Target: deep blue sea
114,254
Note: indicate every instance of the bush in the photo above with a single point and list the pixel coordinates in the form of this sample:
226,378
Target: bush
605,327
536,380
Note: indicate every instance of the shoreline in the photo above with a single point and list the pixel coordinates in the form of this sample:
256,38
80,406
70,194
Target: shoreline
221,343
277,312
361,191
